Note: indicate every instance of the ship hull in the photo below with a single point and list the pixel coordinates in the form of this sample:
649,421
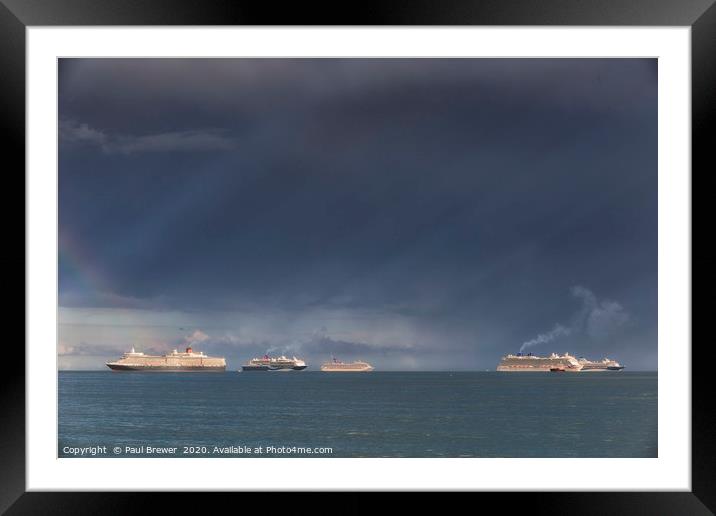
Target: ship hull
286,368
589,369
331,370
534,369
167,369
272,368
255,368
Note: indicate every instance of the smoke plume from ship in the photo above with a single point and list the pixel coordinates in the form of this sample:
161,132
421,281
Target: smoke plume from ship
595,319
543,338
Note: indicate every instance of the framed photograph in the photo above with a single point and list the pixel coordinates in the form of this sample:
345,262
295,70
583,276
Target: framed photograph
428,249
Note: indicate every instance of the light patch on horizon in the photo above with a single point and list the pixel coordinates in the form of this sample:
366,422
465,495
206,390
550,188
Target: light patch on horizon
316,335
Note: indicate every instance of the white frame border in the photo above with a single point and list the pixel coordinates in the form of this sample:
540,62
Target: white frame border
670,471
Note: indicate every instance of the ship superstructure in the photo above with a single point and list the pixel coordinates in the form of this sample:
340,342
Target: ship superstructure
336,366
176,361
602,365
267,363
528,362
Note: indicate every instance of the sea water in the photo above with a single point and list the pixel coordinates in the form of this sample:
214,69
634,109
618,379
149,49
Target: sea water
376,414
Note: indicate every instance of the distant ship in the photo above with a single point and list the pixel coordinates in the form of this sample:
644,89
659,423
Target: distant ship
336,366
603,365
267,363
175,361
530,362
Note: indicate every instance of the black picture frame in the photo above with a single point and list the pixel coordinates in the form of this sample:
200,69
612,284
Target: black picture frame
700,15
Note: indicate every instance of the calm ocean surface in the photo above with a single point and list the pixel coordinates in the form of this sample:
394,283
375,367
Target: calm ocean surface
378,414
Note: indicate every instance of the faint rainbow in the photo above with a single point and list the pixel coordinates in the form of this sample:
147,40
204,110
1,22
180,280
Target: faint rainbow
87,271
81,263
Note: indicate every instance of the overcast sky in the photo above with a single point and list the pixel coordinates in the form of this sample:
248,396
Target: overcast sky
415,213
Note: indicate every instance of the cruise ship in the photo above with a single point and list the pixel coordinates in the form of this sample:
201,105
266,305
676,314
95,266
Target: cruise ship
529,362
176,361
336,366
267,363
603,365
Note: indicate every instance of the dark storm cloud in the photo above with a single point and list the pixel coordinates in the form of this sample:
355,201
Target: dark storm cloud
190,141
467,196
324,344
317,345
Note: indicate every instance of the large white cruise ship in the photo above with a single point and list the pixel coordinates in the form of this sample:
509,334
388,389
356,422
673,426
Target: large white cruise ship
267,363
336,366
529,362
176,361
